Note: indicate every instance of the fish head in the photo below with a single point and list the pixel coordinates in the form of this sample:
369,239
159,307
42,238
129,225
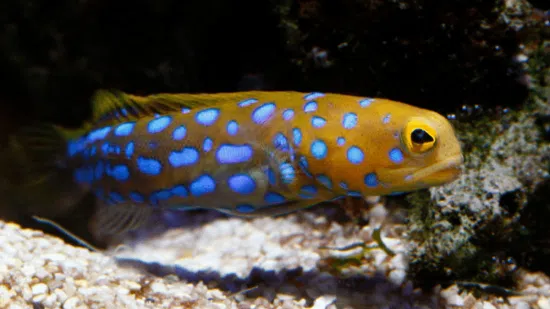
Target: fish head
423,150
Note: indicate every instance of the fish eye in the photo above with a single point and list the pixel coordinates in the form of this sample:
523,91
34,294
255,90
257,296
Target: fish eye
419,136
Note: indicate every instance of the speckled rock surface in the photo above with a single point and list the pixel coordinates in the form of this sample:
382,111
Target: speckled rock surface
283,260
38,269
506,162
515,159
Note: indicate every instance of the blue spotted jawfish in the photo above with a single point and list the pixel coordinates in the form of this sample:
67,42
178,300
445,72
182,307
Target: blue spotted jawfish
246,153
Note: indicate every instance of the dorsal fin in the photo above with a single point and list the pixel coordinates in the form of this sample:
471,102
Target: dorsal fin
110,106
114,106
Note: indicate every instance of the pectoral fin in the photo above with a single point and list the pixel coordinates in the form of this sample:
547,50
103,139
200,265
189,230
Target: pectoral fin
117,219
66,232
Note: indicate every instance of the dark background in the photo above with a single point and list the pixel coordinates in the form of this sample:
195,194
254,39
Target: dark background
436,54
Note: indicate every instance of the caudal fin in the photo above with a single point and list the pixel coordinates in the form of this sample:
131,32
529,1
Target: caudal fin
37,178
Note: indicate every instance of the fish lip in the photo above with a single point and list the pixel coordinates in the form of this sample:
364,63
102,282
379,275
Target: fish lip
453,162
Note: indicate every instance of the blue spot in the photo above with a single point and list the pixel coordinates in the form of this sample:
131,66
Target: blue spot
74,147
160,195
310,107
180,191
318,122
297,136
386,119
158,124
242,184
340,141
125,129
247,102
304,166
90,171
366,102
232,127
120,172
202,185
313,96
187,156
355,193
153,145
80,145
323,179
397,193
229,154
110,148
129,150
280,142
308,191
262,113
274,198
355,155
185,110
271,176
153,200
99,169
344,185
349,121
86,153
319,149
371,180
288,114
179,133
208,116
149,166
245,208
163,194
93,150
207,144
396,155
98,134
99,194
116,197
287,172
82,175
136,197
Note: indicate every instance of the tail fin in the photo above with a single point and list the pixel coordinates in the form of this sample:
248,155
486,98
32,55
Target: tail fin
37,178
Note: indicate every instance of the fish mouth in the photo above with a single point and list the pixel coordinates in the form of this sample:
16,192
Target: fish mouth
444,171
407,178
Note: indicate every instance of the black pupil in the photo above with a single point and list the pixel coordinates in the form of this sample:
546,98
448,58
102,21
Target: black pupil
419,136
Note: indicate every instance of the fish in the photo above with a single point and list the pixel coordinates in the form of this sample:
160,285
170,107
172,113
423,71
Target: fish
248,154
